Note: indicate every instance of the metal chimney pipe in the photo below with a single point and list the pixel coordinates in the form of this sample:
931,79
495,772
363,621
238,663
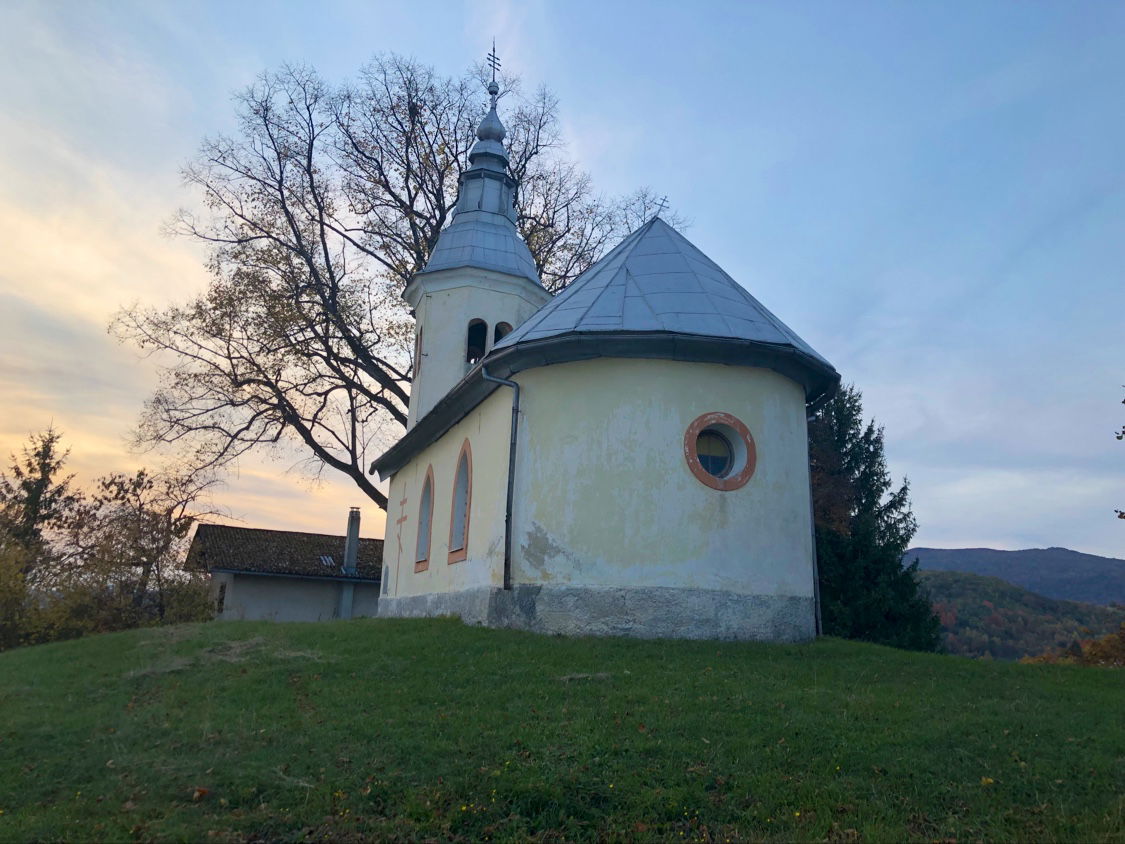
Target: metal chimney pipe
351,544
351,555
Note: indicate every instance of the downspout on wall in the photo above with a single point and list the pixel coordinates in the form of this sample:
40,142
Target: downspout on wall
351,556
511,472
812,528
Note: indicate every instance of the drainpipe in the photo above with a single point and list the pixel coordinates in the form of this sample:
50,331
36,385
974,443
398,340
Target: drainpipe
511,472
351,555
812,528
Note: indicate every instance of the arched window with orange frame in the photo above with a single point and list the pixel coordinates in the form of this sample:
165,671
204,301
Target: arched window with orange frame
461,510
425,522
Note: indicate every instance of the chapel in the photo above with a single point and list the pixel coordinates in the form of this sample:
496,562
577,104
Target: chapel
626,458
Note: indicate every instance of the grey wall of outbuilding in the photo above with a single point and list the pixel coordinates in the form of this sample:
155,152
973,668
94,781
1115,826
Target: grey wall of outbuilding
251,597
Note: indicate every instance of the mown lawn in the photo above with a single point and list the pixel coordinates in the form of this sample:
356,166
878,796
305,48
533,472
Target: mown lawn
408,730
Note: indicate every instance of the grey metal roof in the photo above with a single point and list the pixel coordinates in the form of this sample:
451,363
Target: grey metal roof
483,239
656,280
483,231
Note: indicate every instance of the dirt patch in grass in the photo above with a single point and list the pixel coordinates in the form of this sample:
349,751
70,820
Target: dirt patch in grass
167,666
236,650
233,651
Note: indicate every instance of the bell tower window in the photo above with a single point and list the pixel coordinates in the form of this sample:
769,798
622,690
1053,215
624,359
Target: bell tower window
502,330
476,341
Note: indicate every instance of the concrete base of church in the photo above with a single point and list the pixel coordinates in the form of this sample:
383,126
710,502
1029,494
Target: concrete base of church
649,613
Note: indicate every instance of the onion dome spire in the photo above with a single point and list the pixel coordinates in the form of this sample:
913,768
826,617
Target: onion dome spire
483,231
488,152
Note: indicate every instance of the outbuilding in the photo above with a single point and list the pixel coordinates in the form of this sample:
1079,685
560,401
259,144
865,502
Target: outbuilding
282,575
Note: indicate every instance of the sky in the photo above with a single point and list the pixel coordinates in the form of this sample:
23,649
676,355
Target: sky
931,194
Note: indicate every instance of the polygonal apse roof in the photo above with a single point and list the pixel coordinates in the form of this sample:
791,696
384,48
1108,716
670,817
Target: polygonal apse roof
656,280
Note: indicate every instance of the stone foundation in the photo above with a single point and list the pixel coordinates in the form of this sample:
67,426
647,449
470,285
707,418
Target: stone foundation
650,613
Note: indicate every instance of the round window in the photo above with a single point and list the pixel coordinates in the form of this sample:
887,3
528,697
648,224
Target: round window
720,451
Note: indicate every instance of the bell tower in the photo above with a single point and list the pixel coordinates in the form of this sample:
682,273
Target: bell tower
480,281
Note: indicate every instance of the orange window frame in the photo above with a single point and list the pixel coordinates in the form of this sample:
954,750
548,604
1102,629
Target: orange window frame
718,418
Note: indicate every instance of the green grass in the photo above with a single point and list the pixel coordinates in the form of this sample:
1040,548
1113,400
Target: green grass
430,729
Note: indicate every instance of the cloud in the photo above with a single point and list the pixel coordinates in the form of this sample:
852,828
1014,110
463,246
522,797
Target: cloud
1024,508
95,250
88,172
260,495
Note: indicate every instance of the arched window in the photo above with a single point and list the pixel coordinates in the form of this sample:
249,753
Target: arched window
462,502
425,522
476,341
418,352
502,330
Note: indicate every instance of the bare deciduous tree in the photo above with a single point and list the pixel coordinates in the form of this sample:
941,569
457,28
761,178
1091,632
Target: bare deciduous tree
319,210
132,531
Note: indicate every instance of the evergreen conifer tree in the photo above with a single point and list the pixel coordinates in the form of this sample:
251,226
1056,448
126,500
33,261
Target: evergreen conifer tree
34,496
863,528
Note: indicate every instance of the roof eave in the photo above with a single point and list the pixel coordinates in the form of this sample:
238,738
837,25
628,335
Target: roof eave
411,293
819,378
335,578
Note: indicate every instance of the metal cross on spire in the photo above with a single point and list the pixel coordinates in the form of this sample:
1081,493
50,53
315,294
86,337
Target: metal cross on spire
661,206
493,60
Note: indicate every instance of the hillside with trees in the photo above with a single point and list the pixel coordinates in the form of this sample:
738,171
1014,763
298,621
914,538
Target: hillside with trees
1105,652
1054,572
988,617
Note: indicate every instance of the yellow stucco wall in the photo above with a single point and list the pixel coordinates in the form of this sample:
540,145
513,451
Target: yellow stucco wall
487,429
605,497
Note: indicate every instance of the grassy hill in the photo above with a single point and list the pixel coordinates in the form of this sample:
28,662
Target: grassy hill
986,616
1054,572
412,729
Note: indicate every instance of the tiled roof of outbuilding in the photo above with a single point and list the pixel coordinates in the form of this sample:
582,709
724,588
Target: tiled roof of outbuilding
230,548
657,281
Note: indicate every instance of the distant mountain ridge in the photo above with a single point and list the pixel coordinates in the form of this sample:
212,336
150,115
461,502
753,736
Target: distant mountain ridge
1054,572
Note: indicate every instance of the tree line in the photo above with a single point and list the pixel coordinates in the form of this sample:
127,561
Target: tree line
1105,652
76,561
